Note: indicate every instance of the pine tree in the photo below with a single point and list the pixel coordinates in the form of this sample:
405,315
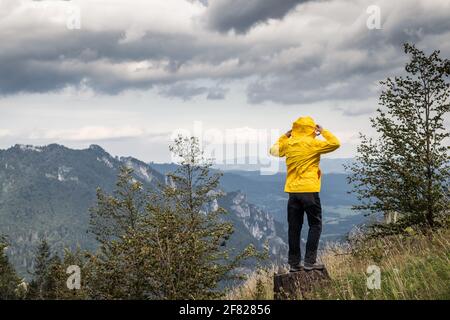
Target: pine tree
9,281
187,232
46,274
120,212
60,276
406,169
116,271
165,243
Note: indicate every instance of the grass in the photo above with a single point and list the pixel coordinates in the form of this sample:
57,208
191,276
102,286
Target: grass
413,267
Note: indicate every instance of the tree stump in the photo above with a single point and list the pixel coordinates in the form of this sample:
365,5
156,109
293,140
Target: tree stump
294,285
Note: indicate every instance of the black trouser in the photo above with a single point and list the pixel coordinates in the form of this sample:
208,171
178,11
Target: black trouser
298,204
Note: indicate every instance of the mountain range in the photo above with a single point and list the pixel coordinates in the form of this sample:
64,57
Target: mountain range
47,192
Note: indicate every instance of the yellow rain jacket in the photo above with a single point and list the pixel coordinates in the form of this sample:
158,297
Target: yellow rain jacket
302,151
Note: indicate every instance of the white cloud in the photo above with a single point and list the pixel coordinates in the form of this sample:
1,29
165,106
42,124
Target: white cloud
90,133
5,132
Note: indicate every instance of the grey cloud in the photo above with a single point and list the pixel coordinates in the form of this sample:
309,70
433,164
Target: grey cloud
183,91
36,65
242,15
359,111
216,93
345,67
186,91
340,76
411,24
54,61
350,79
286,90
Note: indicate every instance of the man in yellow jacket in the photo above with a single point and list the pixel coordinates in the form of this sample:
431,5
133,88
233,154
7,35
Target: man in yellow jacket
302,151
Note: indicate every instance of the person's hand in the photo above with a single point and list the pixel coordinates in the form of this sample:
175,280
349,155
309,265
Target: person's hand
318,129
288,134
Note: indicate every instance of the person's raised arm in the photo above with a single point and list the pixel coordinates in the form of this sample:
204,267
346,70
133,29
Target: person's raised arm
330,144
279,148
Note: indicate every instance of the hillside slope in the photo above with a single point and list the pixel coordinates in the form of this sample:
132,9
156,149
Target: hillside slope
47,191
412,267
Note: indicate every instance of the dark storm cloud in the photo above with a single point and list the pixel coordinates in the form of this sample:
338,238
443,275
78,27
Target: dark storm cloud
411,24
242,15
345,75
341,75
53,61
49,62
317,65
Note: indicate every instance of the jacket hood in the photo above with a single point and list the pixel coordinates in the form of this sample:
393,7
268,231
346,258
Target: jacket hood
304,126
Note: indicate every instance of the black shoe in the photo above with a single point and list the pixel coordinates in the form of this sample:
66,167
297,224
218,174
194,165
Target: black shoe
296,268
313,266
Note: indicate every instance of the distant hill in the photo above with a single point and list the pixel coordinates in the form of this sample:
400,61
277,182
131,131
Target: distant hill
268,190
327,165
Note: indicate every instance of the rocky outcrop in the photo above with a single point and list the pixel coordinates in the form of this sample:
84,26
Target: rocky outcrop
297,285
257,221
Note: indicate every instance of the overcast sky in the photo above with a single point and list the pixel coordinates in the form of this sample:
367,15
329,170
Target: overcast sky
127,74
